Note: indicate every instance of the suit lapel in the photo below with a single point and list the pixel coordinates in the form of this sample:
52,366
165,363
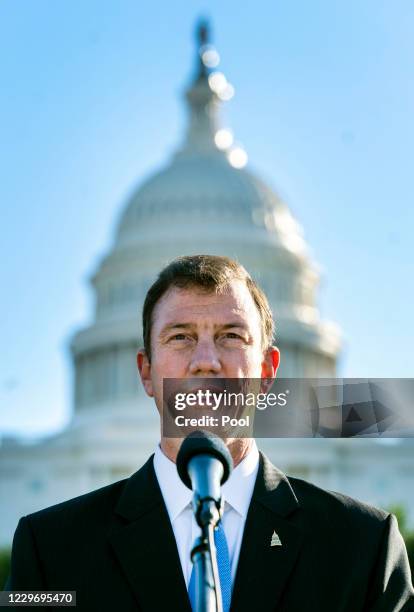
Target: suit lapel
263,569
145,545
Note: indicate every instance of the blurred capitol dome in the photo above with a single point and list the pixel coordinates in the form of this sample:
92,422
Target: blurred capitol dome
204,201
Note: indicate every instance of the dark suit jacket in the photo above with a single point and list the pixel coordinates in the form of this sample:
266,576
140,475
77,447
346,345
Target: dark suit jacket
116,548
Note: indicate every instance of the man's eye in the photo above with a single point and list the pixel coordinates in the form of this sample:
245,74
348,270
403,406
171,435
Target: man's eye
178,337
232,335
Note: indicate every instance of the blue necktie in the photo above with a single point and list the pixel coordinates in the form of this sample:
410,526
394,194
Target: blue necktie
223,562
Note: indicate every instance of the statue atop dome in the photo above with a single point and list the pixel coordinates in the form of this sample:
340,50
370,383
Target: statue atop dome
207,90
203,32
202,40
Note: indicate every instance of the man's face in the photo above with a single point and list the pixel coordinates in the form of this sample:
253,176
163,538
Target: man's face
203,335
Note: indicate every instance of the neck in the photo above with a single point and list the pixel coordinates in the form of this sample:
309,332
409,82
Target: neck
239,448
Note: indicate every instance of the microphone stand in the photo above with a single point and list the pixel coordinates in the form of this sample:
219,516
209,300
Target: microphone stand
203,555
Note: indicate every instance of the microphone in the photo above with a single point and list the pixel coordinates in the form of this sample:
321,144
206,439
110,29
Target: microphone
204,463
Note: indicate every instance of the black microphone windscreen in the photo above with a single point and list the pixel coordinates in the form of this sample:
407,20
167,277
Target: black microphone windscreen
203,443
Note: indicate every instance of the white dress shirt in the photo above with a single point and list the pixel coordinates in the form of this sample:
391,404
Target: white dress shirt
236,492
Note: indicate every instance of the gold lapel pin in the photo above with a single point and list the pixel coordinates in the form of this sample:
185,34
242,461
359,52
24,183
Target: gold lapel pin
275,541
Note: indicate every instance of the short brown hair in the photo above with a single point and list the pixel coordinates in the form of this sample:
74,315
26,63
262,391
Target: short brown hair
211,273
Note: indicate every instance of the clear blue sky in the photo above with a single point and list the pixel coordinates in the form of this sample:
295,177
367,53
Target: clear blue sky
91,103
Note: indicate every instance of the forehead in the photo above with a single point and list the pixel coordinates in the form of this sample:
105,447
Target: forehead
194,305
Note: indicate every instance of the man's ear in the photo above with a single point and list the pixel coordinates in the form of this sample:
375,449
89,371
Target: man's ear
270,365
144,369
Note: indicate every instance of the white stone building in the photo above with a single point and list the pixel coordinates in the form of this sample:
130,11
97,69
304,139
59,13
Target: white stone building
203,201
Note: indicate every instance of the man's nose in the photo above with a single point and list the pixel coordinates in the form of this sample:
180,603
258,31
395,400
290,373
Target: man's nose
204,359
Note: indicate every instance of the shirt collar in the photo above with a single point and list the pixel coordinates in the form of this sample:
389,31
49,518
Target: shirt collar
176,495
237,491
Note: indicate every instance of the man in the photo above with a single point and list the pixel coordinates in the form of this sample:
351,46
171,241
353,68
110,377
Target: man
290,546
